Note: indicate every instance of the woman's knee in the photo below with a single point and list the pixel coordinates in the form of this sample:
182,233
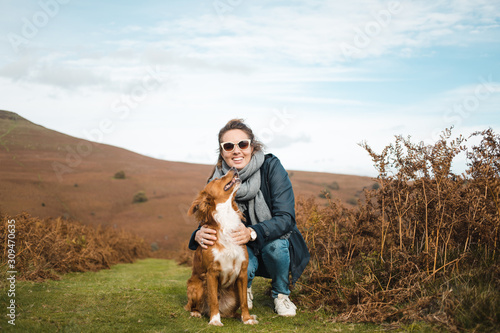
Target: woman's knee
277,251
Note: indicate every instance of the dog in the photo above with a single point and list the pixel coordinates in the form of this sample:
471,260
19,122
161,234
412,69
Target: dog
218,284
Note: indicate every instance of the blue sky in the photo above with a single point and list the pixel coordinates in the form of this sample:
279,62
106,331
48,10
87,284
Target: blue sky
312,78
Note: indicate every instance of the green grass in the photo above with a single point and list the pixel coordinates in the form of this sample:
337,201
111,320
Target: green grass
147,296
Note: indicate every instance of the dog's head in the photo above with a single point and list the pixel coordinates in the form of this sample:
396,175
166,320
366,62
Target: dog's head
217,191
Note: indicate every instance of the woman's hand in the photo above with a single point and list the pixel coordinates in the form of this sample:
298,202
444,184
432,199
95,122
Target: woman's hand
205,237
241,235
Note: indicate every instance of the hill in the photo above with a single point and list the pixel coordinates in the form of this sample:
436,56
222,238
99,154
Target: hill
50,174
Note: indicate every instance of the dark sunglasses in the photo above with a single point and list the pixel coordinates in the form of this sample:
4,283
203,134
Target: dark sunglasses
229,146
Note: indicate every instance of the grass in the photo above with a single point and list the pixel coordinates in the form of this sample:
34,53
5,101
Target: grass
147,296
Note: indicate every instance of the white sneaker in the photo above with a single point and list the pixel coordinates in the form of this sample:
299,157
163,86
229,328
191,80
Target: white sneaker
249,298
283,306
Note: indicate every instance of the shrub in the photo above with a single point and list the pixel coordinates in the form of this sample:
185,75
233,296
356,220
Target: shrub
352,201
416,245
334,186
140,197
120,175
46,248
325,194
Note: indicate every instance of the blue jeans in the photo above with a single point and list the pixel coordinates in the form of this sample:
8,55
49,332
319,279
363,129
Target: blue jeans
274,263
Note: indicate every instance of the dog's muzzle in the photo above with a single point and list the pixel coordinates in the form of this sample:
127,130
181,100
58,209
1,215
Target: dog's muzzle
235,180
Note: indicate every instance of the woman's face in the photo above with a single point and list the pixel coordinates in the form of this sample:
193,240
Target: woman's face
237,158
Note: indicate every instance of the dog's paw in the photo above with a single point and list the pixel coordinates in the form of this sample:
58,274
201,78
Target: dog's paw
195,314
216,321
251,321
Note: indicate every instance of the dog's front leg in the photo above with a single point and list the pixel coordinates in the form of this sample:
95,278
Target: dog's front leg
213,301
241,285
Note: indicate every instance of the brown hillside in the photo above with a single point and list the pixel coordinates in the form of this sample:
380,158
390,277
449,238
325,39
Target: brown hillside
49,174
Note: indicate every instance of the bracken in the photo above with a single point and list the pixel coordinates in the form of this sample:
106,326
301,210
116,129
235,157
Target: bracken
46,248
403,253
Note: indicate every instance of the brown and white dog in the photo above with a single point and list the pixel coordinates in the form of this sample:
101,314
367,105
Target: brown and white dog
218,284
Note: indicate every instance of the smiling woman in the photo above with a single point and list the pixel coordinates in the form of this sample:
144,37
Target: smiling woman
236,154
237,144
266,199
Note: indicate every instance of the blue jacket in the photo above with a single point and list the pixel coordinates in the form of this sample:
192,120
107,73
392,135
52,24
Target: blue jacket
278,193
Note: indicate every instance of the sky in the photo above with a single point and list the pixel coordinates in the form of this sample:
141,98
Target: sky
313,79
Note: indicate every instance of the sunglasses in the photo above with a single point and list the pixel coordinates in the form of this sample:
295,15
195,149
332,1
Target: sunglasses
229,146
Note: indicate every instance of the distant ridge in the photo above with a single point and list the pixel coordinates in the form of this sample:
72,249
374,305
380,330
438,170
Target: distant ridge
10,115
50,174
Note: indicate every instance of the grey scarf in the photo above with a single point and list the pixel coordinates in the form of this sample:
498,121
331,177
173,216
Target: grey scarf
249,195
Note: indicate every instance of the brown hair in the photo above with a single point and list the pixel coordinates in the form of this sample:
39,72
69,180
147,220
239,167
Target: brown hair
232,125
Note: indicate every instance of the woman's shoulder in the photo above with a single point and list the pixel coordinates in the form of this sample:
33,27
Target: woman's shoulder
271,159
274,174
272,163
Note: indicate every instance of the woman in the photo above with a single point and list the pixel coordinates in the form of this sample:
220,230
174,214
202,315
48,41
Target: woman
275,245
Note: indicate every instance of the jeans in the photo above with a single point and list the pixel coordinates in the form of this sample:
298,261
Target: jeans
274,263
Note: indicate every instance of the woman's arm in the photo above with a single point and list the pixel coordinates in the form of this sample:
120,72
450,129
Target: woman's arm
280,196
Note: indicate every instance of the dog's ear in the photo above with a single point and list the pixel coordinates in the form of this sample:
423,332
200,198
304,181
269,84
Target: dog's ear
201,204
194,207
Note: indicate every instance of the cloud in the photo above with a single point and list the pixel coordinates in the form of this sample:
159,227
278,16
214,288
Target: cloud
18,69
259,57
312,34
283,141
155,56
51,72
264,38
66,77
